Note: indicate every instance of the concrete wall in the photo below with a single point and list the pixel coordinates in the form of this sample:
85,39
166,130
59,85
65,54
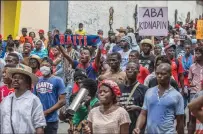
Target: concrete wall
95,14
183,8
34,16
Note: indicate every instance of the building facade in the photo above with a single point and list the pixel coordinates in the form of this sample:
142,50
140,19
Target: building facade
49,15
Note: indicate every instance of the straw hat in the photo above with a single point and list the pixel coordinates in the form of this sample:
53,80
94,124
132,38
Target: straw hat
23,69
147,41
121,29
35,57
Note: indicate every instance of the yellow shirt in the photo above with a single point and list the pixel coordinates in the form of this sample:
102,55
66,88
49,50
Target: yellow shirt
83,32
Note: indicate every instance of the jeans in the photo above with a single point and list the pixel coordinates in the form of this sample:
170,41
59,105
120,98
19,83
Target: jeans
51,128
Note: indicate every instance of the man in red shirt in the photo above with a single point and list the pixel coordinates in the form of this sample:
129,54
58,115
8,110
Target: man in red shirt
6,89
34,63
143,72
176,65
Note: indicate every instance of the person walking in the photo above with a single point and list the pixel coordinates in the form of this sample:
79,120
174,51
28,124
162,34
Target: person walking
162,106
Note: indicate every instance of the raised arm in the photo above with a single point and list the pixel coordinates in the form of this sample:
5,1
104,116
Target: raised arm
63,51
97,59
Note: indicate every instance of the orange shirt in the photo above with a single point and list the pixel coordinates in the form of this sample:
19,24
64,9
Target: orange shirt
22,39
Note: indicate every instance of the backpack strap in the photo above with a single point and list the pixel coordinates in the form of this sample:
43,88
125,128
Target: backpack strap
132,92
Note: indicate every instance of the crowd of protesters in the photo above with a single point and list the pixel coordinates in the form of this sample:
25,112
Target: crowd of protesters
135,84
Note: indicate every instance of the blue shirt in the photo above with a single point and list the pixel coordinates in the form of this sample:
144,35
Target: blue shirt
3,49
41,53
91,70
48,91
162,111
116,48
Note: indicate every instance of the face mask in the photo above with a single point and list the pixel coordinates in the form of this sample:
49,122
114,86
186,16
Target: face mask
45,70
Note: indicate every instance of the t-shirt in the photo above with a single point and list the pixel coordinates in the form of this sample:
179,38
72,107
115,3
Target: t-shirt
78,32
5,91
108,123
38,73
176,71
162,111
82,112
48,90
186,62
124,58
22,39
153,82
147,62
142,74
148,78
91,70
136,99
196,75
41,53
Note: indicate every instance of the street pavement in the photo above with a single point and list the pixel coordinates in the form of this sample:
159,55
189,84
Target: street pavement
63,127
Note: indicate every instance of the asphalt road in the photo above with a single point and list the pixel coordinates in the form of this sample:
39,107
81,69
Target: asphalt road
63,127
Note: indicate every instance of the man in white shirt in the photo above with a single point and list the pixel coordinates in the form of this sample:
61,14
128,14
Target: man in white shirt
21,111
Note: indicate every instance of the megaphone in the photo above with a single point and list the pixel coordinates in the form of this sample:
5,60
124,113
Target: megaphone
77,101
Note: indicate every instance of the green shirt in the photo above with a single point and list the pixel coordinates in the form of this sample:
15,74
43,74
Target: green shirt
82,112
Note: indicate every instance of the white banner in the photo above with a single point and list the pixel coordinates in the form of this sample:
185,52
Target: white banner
153,21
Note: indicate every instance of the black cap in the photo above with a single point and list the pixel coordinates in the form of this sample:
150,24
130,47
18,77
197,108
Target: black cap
79,73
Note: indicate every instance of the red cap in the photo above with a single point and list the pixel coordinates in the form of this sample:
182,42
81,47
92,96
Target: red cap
0,37
41,31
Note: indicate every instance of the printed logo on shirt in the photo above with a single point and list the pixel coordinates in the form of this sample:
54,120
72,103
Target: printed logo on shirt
145,63
5,93
44,87
123,99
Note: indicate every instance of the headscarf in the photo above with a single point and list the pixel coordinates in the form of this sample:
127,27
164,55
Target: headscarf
134,45
126,39
112,85
43,46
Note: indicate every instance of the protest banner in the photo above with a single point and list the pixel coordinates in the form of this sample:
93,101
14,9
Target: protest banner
199,33
153,21
82,40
